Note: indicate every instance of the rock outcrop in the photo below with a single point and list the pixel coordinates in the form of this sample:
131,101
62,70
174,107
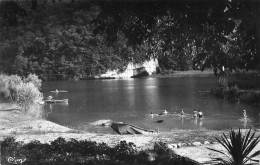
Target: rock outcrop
150,67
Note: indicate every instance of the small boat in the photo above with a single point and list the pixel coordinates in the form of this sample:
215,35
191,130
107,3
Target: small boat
57,101
122,128
41,102
57,91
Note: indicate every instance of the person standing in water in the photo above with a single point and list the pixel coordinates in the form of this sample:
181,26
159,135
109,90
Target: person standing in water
200,114
182,113
195,113
244,114
151,114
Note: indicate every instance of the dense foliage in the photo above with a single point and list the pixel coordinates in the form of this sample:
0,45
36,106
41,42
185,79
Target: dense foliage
212,33
57,41
81,39
238,88
79,152
23,91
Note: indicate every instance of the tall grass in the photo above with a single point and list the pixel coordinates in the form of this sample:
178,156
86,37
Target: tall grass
25,92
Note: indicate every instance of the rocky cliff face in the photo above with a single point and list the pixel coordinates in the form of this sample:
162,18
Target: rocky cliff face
150,67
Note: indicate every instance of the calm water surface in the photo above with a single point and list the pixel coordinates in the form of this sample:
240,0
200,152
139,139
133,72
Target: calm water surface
131,101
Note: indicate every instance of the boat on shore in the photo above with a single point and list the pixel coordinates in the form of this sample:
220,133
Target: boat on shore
57,101
123,128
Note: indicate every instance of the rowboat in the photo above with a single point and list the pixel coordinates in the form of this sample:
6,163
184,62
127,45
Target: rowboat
123,128
57,101
57,91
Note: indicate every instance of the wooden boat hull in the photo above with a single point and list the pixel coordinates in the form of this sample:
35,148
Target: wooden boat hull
122,128
57,101
59,91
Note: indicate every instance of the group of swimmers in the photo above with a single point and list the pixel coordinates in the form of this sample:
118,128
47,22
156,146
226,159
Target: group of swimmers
196,114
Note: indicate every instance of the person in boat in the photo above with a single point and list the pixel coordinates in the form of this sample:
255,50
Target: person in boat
200,114
244,113
182,113
195,113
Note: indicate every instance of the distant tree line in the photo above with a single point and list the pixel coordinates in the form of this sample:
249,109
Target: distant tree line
83,39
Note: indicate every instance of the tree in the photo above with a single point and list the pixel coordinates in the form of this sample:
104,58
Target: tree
216,45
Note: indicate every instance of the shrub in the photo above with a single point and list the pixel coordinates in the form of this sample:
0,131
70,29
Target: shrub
233,93
25,92
239,147
166,156
10,148
26,95
124,152
34,79
75,152
250,97
4,86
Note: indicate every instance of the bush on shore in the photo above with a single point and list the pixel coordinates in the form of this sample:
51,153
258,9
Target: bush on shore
86,152
233,93
23,91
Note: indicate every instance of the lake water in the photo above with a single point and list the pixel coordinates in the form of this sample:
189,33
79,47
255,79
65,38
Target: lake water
131,101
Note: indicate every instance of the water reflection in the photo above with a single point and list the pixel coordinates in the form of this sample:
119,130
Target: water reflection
245,122
195,121
200,123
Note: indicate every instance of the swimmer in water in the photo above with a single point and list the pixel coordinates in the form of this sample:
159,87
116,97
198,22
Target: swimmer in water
195,113
200,114
151,114
182,113
165,112
244,114
56,90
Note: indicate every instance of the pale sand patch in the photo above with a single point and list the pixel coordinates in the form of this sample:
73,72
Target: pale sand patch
100,122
